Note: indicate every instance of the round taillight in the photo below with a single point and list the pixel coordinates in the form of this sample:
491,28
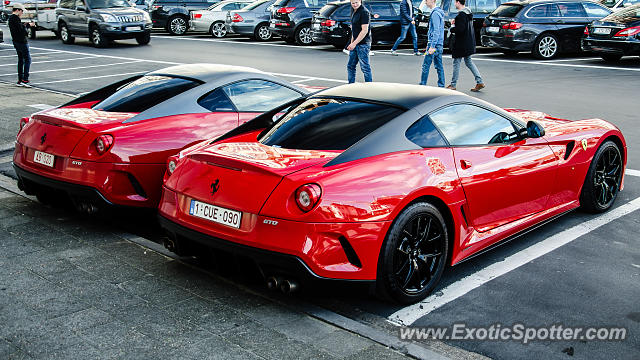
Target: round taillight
171,166
103,143
307,196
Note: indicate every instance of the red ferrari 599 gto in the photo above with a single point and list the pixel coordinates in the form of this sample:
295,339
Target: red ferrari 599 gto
110,147
385,183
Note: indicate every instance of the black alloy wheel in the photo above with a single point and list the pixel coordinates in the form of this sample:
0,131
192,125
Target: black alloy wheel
414,254
303,35
602,184
177,25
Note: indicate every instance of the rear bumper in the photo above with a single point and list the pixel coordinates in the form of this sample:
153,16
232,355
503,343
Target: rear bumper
199,25
501,42
124,184
341,251
281,28
241,29
611,46
328,37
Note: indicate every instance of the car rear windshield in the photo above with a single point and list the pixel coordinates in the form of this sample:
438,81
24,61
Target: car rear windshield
143,93
280,3
254,5
625,16
328,124
507,10
327,10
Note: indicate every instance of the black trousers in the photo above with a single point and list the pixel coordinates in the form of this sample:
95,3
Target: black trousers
24,60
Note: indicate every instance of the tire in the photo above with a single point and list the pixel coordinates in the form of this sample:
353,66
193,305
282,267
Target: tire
611,57
414,254
3,17
546,47
218,29
602,184
31,33
262,32
303,35
144,39
97,39
65,35
56,34
177,25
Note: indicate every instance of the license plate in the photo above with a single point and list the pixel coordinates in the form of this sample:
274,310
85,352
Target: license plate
423,24
601,31
272,25
43,158
216,214
132,28
493,29
315,26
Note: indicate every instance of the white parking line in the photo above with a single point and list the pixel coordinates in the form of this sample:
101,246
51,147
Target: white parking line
76,68
410,314
32,54
630,172
50,61
245,43
301,80
41,106
6,159
88,78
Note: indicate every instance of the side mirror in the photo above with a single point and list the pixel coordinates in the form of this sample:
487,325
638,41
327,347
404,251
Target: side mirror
534,130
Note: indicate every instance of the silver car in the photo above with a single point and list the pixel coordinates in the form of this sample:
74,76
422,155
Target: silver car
213,19
252,21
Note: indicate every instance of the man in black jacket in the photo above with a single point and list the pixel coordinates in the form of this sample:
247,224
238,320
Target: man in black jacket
464,45
407,22
19,38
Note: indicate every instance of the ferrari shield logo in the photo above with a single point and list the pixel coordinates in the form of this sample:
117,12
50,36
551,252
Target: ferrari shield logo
584,144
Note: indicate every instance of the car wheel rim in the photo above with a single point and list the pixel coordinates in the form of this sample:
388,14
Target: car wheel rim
178,26
219,30
305,35
547,46
419,253
63,33
96,37
607,177
264,33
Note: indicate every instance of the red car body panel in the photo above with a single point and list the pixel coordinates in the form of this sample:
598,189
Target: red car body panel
488,193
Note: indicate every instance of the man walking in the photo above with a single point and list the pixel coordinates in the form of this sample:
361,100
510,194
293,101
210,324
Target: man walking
434,44
464,45
360,42
19,38
407,23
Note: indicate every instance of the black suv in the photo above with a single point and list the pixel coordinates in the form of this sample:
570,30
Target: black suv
332,23
102,21
479,8
173,15
291,19
543,27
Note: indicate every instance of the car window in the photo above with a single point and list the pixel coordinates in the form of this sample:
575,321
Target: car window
254,5
381,9
507,10
328,124
66,4
344,11
316,3
483,6
465,124
424,133
395,8
572,10
143,93
216,101
543,11
594,10
258,95
79,3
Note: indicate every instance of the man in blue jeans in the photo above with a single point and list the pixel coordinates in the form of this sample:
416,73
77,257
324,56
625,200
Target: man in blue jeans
407,23
360,42
434,44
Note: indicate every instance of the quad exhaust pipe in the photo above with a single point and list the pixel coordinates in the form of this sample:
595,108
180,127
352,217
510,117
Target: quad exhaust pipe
286,286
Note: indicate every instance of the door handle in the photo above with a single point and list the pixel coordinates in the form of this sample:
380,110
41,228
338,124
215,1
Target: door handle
465,164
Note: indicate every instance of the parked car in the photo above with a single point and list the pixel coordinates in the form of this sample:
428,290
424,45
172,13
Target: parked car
252,21
545,28
615,36
110,147
480,9
618,4
102,21
291,19
385,184
332,23
173,15
213,19
42,14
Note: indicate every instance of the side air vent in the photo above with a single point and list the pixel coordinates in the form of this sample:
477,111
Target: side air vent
570,146
136,185
351,254
464,216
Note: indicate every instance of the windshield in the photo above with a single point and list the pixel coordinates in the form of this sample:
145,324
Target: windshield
104,4
328,124
254,5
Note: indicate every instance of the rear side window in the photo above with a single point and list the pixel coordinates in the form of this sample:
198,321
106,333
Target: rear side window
216,101
507,10
145,92
423,133
328,124
382,10
258,95
596,11
572,10
543,11
344,11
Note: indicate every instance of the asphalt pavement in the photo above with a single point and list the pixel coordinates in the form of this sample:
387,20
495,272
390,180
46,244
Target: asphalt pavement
579,270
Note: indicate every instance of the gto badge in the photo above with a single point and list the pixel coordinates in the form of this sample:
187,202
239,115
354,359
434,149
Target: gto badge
43,138
584,144
76,162
270,222
215,186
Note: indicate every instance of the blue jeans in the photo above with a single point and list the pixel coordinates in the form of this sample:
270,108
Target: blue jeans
24,60
361,54
470,65
403,34
436,59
